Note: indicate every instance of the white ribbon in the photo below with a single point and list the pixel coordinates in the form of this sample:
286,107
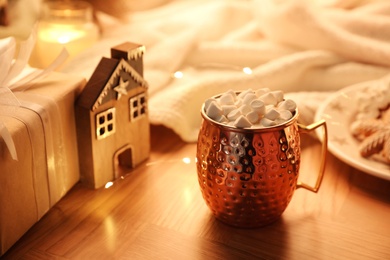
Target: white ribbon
12,79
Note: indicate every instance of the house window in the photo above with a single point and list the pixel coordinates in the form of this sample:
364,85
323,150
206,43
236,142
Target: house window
105,123
137,106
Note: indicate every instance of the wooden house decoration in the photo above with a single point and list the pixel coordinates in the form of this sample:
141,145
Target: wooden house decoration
113,131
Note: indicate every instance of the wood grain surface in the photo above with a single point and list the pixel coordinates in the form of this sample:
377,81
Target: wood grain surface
157,212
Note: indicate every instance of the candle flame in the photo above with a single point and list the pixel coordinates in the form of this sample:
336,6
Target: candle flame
63,39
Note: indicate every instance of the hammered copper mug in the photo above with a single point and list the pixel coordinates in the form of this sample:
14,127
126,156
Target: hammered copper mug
248,176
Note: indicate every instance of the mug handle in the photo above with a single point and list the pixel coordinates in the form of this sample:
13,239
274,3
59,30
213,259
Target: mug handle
309,128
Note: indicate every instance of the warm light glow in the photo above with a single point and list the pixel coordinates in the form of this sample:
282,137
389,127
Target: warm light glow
68,12
108,184
188,197
63,39
61,33
111,237
178,74
53,37
187,160
247,70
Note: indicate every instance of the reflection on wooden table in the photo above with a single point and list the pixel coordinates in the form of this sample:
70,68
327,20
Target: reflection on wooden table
157,212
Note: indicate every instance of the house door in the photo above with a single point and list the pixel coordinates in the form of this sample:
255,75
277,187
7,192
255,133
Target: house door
123,161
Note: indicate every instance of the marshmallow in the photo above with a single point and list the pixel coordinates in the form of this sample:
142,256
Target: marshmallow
278,95
226,99
258,106
231,92
268,99
267,122
249,98
238,102
242,94
234,114
222,119
285,115
287,105
242,122
214,111
262,91
253,117
207,103
226,109
251,109
279,121
245,109
272,114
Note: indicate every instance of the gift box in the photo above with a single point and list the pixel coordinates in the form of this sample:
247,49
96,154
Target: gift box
43,132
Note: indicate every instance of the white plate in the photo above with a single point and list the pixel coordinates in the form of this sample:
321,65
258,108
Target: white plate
339,111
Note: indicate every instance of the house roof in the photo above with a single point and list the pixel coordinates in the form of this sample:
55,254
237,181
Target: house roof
103,81
97,82
122,66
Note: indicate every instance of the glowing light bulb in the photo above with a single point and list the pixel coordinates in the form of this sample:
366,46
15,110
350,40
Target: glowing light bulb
247,70
108,184
187,160
178,74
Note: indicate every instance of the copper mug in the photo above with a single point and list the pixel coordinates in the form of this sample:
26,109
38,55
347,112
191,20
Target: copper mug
248,176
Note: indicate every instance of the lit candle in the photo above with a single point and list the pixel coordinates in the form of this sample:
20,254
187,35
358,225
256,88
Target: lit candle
66,24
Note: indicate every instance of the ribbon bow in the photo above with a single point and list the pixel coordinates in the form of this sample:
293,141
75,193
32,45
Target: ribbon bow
15,76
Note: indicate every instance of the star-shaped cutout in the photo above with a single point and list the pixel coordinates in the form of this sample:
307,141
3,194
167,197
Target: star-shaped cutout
121,88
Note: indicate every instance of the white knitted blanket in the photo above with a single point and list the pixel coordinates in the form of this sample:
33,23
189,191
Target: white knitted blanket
308,49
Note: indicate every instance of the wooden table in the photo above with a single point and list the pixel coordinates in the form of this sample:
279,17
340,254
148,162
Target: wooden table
157,212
